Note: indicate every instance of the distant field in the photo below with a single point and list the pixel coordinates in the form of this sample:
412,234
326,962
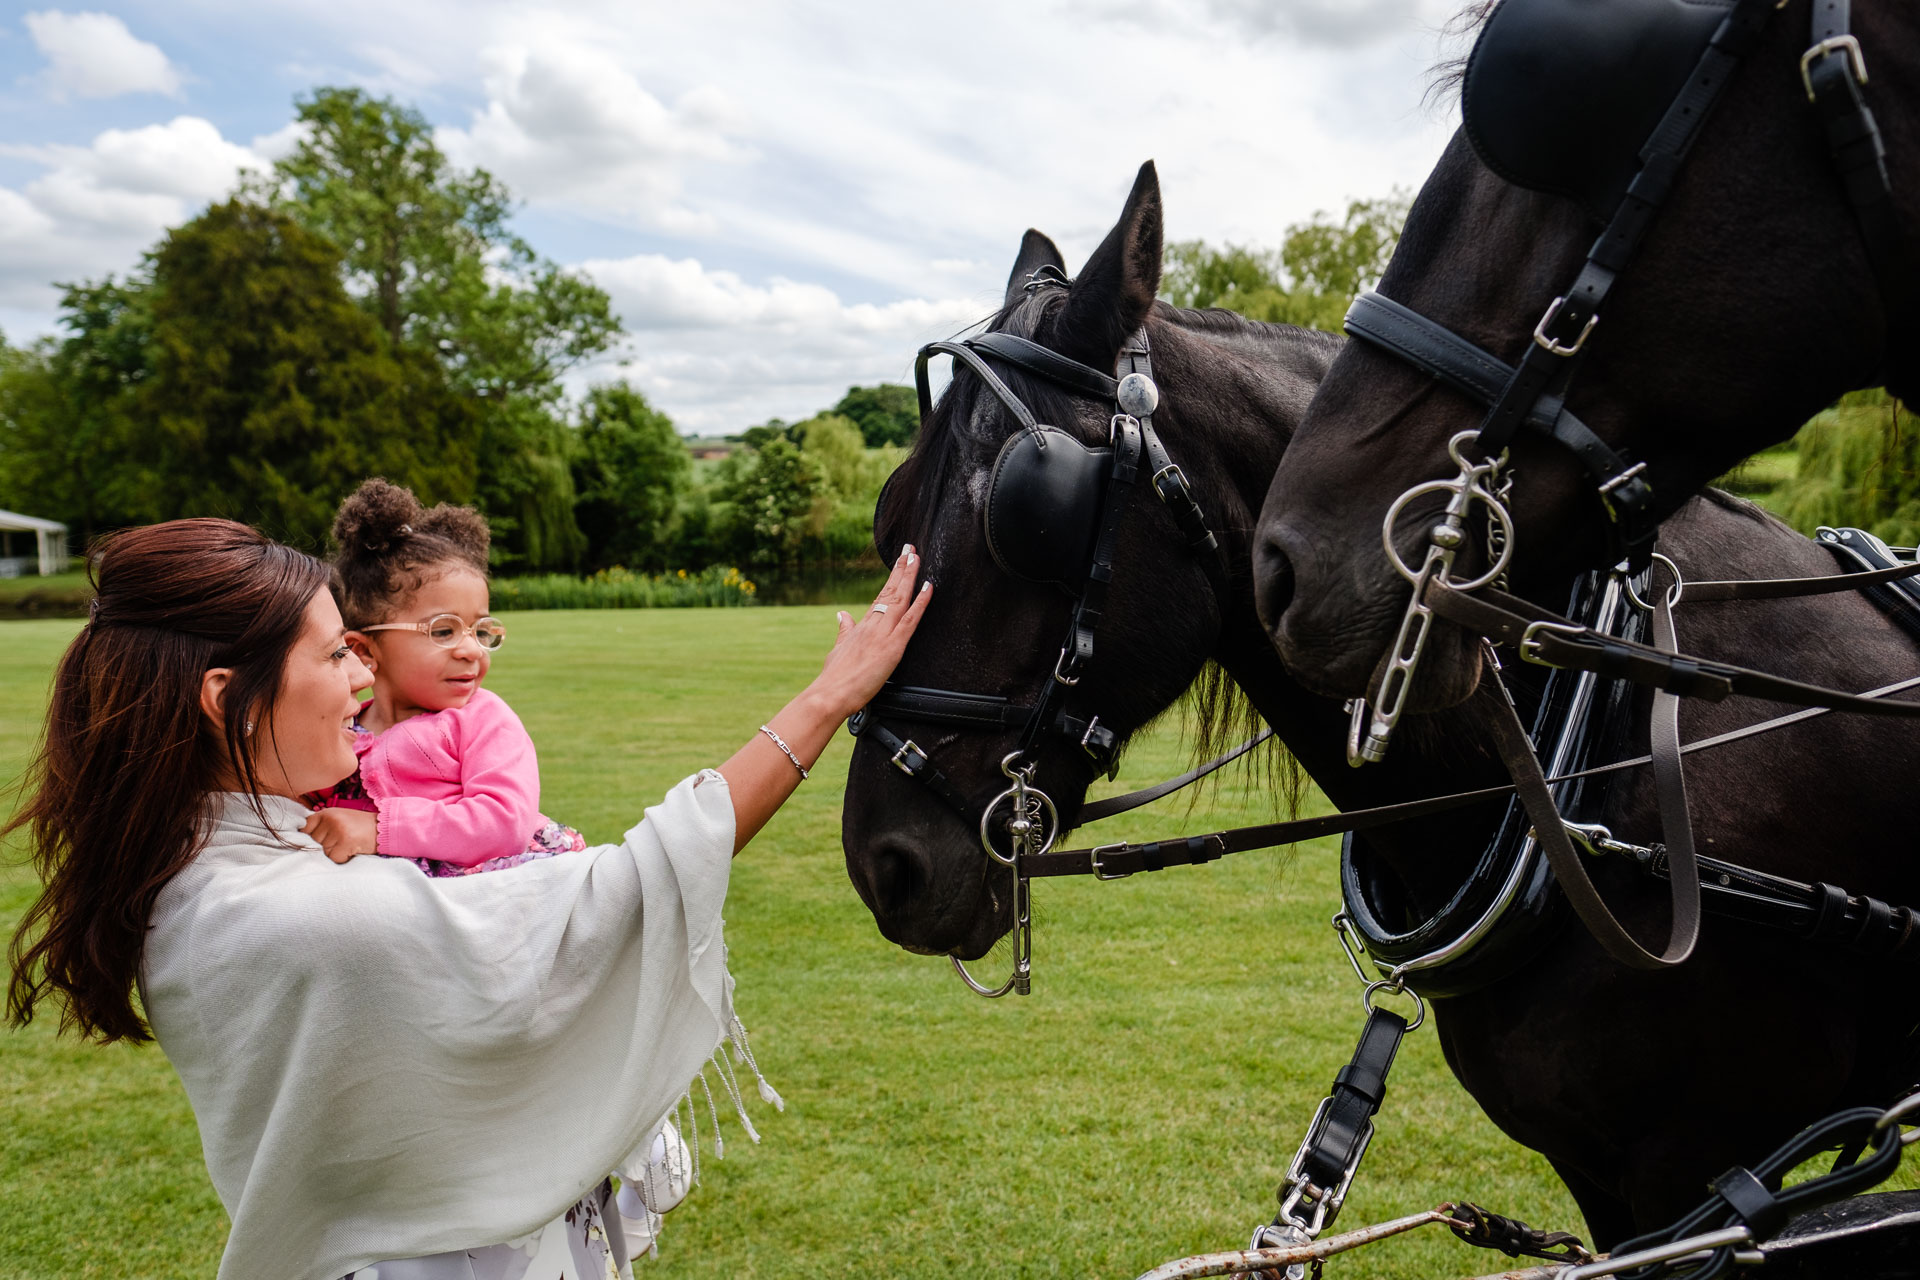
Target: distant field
1140,1105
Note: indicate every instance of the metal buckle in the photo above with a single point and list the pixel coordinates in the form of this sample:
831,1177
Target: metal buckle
1086,739
1634,472
1351,944
1059,677
909,769
1540,330
1530,639
1827,48
1171,469
1101,874
1322,1204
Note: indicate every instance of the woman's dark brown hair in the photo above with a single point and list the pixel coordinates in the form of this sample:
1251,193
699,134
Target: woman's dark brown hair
388,546
117,788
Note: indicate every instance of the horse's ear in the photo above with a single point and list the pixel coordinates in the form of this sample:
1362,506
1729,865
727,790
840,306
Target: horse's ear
1036,251
1115,290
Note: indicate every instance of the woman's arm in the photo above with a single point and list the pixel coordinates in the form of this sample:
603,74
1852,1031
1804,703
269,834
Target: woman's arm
759,776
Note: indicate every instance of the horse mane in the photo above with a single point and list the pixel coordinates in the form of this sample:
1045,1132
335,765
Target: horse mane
1445,76
1217,713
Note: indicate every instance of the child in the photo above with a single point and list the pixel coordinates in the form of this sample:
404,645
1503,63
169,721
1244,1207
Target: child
448,778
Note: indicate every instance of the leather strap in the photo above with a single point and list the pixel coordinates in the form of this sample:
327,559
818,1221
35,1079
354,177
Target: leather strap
1442,354
1670,791
1118,861
1750,1201
1836,83
1115,861
912,760
1112,805
1047,363
1516,753
964,353
1788,588
947,706
1551,640
1358,1089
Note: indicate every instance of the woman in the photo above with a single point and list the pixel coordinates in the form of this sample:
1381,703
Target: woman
383,1066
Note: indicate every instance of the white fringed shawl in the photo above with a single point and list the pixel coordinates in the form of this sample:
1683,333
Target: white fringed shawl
385,1065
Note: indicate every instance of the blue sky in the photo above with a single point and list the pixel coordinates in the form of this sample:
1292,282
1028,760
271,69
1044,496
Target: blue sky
782,198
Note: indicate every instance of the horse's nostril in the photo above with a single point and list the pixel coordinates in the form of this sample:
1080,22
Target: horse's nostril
1272,580
898,879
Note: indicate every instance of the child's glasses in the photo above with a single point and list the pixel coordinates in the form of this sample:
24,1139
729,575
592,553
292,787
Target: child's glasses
446,629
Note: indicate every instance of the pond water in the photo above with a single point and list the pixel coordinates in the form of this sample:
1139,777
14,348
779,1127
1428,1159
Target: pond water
819,586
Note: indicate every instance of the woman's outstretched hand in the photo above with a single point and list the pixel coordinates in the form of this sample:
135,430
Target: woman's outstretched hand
762,774
867,650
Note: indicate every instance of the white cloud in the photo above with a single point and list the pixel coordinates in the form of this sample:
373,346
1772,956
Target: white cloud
718,353
785,200
1318,24
567,122
97,207
93,55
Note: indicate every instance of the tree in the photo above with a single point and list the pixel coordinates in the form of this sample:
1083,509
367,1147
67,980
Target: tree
1321,266
885,414
629,469
772,500
1195,275
270,394
1857,463
65,430
1342,260
429,254
850,480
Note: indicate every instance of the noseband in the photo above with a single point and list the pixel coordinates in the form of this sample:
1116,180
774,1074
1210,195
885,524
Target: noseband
1054,510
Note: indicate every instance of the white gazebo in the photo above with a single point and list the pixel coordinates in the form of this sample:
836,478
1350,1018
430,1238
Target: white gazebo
50,542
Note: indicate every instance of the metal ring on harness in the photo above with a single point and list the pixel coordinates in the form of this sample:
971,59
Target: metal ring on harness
1469,484
1898,1112
1020,825
1391,987
1674,592
979,988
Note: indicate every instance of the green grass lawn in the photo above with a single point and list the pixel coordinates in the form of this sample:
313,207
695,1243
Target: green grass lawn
1140,1105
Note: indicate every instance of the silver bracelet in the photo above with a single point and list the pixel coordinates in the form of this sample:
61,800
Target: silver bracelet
781,743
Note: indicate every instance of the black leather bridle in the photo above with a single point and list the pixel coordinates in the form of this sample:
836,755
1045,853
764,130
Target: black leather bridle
1529,396
1032,821
1518,397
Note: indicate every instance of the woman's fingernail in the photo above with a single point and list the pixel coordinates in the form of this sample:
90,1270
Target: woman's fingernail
926,586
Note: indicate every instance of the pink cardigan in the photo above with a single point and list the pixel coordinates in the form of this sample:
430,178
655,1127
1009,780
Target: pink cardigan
460,785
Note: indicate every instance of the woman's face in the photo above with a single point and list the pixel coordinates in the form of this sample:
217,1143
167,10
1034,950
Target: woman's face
306,744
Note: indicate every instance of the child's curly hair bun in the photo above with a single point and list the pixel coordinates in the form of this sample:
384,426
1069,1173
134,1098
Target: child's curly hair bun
388,545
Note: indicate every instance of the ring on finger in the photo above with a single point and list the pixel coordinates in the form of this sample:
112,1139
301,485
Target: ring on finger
878,607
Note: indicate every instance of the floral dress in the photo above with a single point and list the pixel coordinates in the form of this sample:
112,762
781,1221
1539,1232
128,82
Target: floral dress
584,1243
554,837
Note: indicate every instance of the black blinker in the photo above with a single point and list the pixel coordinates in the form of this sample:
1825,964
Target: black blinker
1043,506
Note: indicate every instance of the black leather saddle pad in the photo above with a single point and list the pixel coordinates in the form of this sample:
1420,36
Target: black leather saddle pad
1560,95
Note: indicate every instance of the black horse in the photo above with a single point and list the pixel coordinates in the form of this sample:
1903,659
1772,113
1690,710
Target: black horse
1638,1087
1750,305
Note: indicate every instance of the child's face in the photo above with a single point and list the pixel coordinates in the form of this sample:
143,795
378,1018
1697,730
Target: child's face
413,671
